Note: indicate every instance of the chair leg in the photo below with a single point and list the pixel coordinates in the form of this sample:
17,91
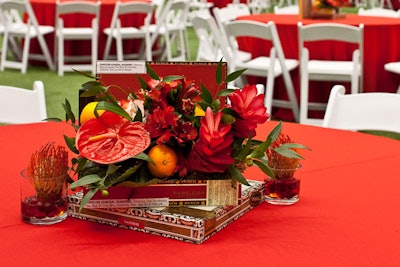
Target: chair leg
25,53
60,56
94,53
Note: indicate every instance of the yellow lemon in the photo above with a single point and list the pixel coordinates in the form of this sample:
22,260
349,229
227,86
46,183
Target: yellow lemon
88,112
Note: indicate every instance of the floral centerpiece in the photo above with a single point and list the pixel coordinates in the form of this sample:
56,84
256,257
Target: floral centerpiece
170,128
327,8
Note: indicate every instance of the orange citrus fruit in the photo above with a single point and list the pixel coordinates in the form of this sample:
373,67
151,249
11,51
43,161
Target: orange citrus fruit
88,112
164,161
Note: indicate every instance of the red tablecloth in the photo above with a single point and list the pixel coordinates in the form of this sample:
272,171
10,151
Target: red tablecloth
381,43
348,213
45,11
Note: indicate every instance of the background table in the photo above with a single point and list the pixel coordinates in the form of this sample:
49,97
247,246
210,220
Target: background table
381,43
348,214
45,11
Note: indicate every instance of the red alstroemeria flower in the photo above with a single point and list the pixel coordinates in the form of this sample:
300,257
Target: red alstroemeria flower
185,131
111,138
212,152
160,122
250,108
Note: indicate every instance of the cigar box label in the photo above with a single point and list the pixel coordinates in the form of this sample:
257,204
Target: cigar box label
121,67
126,203
222,192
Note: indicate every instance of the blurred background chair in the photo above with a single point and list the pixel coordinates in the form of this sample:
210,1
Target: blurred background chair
198,8
379,12
395,68
170,33
19,105
286,10
366,111
119,32
210,39
258,6
64,33
270,67
224,15
18,32
312,69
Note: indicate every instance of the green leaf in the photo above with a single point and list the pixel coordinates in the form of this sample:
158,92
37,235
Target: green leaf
138,116
172,78
143,156
226,92
265,168
88,196
237,175
113,107
234,75
70,141
206,95
142,82
151,72
86,180
218,73
69,115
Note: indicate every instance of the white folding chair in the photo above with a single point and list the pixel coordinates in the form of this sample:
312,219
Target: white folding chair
287,10
16,30
209,37
171,27
230,13
91,10
366,111
328,70
379,12
198,8
120,32
19,105
395,68
258,6
270,66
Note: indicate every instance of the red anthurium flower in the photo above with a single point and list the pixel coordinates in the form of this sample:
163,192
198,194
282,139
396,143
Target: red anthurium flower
212,152
111,138
250,108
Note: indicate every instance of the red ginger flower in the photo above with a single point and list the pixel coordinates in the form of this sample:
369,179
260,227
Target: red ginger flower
212,152
251,110
111,138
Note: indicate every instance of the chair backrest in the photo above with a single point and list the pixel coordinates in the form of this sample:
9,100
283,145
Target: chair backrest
78,7
364,111
379,12
332,32
173,18
255,29
18,105
287,10
209,37
229,13
226,14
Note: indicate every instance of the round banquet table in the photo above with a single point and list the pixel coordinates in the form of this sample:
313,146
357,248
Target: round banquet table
381,43
348,213
45,11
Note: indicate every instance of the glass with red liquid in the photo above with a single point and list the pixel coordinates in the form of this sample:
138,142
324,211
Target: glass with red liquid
43,200
284,189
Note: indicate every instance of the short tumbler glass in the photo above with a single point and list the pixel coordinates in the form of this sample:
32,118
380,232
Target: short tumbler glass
284,189
43,200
